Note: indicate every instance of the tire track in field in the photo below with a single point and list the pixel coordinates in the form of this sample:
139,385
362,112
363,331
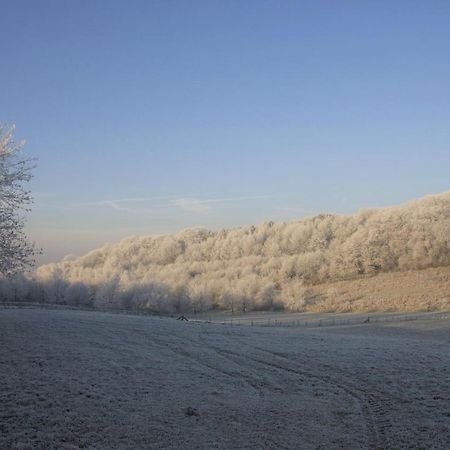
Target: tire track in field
195,357
374,406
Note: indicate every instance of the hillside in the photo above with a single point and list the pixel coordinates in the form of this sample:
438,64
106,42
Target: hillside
272,265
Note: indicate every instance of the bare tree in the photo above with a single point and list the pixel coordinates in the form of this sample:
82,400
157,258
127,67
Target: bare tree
16,253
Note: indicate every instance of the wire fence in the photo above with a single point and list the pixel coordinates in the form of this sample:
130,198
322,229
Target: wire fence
286,322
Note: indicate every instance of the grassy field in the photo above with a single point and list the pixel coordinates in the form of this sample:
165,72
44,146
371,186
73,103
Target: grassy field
78,379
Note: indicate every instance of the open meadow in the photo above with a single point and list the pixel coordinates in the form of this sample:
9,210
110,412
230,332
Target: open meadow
79,379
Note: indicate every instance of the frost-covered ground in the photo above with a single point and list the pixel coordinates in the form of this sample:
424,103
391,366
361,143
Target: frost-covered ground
76,379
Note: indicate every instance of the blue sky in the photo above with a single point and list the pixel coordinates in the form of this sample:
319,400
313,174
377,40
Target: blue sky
149,117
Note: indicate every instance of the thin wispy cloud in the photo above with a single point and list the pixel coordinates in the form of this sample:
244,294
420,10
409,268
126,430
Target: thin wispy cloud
199,205
155,208
191,205
117,201
118,207
124,200
236,199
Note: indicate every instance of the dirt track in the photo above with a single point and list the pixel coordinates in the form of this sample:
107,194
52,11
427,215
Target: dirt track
73,379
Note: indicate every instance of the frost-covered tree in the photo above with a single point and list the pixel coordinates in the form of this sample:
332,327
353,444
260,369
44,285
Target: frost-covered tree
269,266
16,253
77,294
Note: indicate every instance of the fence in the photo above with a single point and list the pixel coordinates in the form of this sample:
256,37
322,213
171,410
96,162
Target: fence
334,321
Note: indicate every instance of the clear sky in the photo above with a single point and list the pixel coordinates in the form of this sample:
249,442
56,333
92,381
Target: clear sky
153,116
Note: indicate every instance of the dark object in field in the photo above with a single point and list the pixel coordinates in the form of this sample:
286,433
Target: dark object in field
367,320
183,318
191,411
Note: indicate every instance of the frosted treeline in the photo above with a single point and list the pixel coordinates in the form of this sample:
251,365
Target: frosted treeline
269,266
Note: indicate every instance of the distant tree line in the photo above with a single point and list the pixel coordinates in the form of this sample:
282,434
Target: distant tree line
270,266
